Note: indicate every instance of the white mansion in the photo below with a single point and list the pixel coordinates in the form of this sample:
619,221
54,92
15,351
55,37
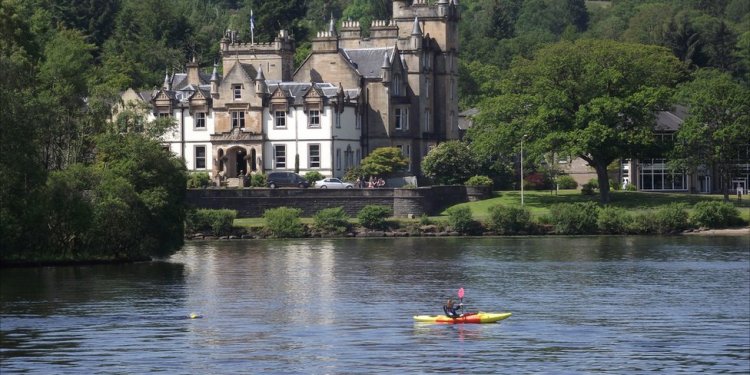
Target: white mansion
396,88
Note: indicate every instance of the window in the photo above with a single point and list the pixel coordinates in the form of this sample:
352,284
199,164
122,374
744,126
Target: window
200,120
237,91
358,157
426,121
279,155
402,119
313,119
164,115
338,158
314,155
656,175
427,88
280,119
396,85
338,120
200,157
357,124
238,119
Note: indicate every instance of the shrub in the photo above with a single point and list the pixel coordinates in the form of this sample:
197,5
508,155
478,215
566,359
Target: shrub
509,220
219,222
284,222
614,220
198,180
587,189
566,182
575,218
374,217
671,218
643,223
537,181
258,180
424,220
332,220
715,215
459,218
479,181
313,176
631,187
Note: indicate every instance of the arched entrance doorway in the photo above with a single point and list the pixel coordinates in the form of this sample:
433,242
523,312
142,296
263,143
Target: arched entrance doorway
240,163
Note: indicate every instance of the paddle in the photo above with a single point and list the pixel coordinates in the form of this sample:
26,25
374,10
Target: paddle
461,299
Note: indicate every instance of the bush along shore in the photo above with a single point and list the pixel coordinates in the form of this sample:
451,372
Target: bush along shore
581,218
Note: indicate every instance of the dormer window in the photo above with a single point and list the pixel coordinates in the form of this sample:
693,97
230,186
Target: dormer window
280,117
200,120
396,85
237,92
313,117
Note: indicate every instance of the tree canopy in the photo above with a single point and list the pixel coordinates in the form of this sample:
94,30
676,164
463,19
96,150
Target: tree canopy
593,99
450,163
716,132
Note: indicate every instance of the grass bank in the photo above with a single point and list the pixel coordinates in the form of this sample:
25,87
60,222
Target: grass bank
539,202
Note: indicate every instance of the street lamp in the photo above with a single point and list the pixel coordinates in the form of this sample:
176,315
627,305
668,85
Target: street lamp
522,137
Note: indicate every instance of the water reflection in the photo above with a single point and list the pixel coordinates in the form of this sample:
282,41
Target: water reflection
581,305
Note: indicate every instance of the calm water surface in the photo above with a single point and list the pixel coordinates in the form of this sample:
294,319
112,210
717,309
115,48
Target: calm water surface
616,305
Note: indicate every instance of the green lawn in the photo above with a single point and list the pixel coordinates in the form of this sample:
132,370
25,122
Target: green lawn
540,201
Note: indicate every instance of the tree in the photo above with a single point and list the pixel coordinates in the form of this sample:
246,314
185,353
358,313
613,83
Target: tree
450,163
716,131
383,162
595,99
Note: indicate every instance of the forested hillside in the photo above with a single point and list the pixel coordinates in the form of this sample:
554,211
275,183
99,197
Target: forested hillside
63,64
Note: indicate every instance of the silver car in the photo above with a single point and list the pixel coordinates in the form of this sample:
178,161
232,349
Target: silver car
332,183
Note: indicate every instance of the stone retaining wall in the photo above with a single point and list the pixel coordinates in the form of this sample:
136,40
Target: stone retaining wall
252,202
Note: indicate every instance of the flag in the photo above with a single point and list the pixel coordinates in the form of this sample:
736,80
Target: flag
252,21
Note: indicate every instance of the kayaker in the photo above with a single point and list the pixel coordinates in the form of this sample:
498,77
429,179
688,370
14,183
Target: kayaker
450,308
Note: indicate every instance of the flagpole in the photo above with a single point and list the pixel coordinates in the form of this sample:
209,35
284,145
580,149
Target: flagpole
252,28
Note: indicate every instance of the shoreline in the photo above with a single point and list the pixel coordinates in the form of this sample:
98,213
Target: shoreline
727,232
719,232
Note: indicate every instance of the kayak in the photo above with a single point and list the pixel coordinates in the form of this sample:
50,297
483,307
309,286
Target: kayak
478,317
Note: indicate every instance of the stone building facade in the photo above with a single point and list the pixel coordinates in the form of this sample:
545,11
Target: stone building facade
351,95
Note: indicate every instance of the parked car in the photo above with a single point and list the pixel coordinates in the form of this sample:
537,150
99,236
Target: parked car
332,183
285,179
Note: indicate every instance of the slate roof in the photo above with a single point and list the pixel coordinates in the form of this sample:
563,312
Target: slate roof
297,90
367,61
465,118
670,121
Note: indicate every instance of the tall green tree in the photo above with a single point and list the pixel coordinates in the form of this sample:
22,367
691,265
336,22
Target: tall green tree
383,162
450,163
594,99
715,133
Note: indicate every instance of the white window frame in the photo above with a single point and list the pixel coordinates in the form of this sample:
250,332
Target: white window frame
279,120
279,156
313,118
237,92
200,161
200,120
313,155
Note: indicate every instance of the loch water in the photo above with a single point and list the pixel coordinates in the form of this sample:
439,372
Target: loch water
581,305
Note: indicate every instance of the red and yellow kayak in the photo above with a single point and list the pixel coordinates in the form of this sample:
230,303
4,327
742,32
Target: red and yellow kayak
478,317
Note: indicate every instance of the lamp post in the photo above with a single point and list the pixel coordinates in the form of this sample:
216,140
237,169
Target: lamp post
522,137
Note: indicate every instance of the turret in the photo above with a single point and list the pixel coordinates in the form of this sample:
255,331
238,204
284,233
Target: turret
260,83
167,83
214,82
386,69
416,35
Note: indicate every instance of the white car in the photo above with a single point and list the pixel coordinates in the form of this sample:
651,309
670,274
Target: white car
332,183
